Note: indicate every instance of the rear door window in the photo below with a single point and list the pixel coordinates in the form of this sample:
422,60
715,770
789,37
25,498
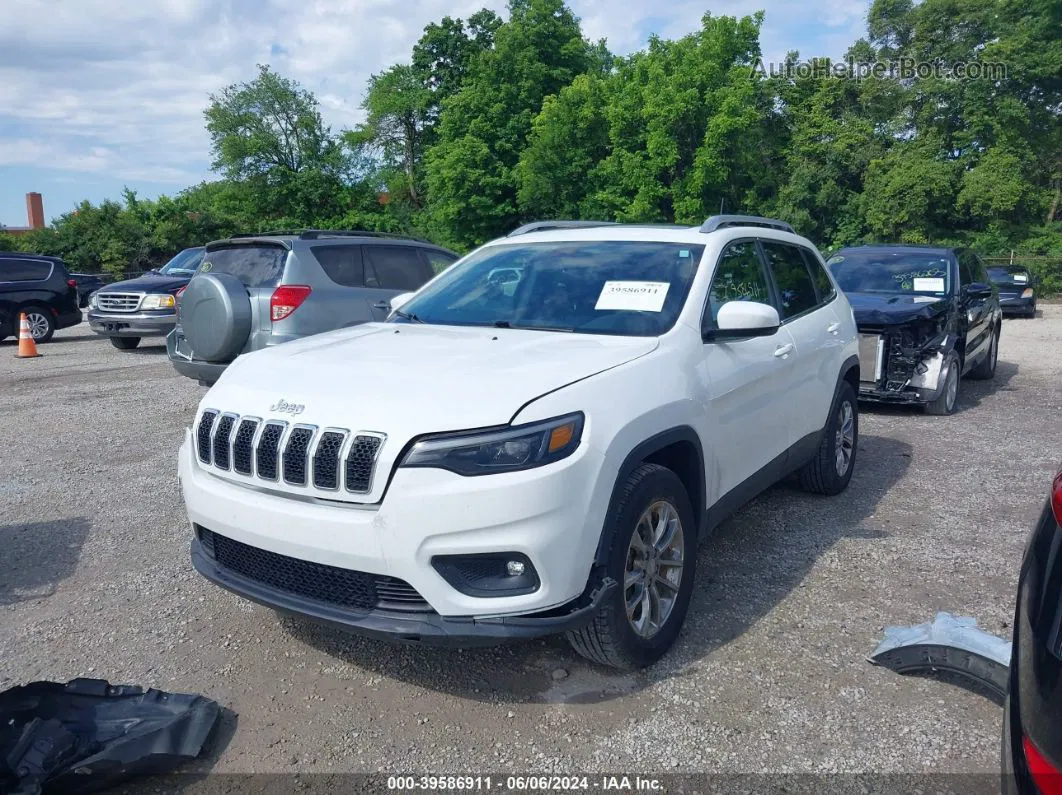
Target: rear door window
796,290
255,266
24,270
396,268
343,264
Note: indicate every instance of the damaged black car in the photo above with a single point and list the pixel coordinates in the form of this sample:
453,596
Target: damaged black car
927,316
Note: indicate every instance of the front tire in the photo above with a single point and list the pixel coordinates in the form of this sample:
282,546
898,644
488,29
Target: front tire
124,343
830,471
653,553
949,395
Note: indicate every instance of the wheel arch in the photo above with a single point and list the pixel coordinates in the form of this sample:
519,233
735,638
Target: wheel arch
678,449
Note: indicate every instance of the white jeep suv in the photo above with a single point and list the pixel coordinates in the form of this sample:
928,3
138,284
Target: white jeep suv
534,441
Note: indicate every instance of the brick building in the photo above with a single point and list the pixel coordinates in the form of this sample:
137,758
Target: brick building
34,216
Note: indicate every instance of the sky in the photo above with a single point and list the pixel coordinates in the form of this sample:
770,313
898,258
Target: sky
96,95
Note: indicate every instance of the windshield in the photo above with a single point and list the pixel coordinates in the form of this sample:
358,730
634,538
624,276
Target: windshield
920,272
1007,273
629,288
184,264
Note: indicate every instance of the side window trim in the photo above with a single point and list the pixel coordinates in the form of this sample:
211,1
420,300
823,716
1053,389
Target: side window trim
764,272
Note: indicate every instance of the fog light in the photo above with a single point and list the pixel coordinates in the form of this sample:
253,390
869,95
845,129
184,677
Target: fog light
515,568
488,573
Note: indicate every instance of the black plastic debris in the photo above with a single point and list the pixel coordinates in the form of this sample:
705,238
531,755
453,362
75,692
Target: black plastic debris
87,735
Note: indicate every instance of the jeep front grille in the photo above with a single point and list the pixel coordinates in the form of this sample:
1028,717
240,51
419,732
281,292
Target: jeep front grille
118,302
300,455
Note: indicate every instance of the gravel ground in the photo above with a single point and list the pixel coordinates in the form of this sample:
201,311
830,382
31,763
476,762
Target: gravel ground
770,673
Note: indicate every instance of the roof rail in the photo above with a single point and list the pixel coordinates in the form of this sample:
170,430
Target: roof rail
725,221
316,234
270,233
545,226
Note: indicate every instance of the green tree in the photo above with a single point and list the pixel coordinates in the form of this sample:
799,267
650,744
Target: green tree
269,125
470,171
397,107
568,139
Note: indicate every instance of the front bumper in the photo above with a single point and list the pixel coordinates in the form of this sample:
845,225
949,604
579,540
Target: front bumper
131,324
544,514
427,628
1017,304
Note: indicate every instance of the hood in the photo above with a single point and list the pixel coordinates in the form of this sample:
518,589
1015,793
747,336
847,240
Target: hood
148,283
890,309
408,379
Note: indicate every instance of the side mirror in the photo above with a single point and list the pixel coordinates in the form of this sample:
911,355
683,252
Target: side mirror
742,319
979,290
399,300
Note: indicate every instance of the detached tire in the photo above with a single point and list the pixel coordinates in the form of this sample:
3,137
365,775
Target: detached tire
830,471
652,534
987,368
125,343
949,395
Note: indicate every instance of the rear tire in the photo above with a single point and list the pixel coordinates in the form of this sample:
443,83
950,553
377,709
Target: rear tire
42,325
125,343
949,395
652,555
830,471
987,368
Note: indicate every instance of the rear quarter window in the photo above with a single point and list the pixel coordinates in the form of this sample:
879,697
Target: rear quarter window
22,270
255,266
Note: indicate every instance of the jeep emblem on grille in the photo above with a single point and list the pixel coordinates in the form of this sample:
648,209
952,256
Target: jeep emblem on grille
283,407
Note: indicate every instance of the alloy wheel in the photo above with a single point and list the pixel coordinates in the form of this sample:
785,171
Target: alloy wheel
38,325
653,573
845,442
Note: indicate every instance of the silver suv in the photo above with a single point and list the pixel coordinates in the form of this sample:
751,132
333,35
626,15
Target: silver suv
251,292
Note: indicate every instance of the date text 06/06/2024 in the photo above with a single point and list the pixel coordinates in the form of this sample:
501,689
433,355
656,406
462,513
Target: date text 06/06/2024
531,783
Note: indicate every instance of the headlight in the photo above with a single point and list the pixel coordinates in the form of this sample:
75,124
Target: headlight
157,302
506,450
93,302
1028,293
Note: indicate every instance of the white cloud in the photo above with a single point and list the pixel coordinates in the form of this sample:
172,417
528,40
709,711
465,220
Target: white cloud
118,87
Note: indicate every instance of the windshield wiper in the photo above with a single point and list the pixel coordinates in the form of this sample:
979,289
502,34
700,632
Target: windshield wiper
507,324
411,317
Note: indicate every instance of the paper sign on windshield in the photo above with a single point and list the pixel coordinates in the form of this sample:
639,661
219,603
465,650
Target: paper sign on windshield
929,285
1020,278
636,296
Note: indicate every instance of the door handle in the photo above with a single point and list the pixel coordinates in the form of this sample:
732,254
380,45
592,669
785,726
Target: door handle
382,305
783,350
833,328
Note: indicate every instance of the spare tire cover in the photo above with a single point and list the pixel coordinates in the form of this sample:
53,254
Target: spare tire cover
215,316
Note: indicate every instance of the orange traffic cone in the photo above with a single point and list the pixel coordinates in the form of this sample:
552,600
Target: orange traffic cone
27,348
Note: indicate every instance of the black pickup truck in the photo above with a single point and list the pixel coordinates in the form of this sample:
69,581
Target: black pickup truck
124,312
927,316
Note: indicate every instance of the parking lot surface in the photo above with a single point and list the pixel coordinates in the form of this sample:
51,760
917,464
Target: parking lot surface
770,673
